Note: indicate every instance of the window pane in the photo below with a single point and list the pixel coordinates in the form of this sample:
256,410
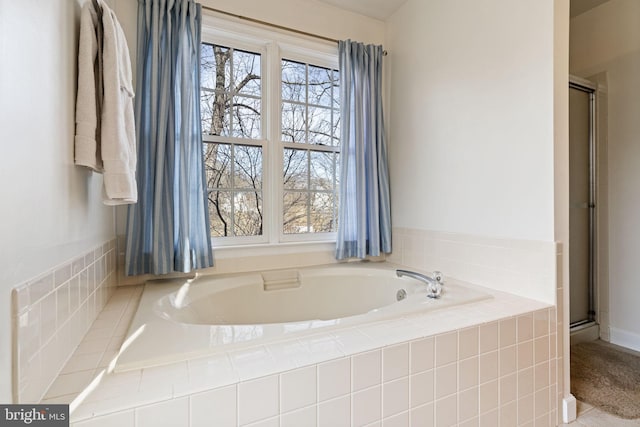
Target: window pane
320,81
214,109
248,213
226,72
310,115
320,131
295,212
322,220
244,192
215,72
220,213
293,122
322,170
223,67
296,169
215,69
246,119
207,66
335,134
206,111
246,72
248,167
294,81
217,158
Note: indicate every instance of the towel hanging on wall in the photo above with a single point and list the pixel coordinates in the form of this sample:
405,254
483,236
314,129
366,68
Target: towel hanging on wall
105,132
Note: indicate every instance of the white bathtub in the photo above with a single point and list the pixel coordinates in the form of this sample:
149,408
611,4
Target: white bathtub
183,319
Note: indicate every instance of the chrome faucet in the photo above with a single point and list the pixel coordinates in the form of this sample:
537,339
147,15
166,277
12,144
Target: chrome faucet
434,284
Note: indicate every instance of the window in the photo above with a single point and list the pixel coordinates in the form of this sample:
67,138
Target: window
231,109
310,139
271,133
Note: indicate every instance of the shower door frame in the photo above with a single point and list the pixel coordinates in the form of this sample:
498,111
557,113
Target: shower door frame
591,89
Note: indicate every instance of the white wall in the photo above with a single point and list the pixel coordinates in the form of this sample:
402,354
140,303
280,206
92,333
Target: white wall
471,117
607,39
307,15
478,137
561,192
51,210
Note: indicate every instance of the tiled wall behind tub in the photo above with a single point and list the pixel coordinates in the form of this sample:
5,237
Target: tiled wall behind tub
522,267
52,312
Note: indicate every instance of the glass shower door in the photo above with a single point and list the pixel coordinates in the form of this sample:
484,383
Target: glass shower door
581,203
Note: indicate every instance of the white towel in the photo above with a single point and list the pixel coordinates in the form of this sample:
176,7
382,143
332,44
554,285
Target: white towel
118,128
105,130
87,145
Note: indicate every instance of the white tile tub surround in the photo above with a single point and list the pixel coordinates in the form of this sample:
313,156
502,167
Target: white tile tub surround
527,268
458,366
523,267
52,313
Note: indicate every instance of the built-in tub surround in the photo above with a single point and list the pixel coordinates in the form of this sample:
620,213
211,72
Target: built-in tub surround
181,319
477,363
527,268
51,314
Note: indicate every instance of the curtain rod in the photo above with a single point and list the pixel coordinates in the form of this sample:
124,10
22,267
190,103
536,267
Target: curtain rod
269,24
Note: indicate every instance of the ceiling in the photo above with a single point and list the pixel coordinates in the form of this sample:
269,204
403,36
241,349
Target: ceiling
581,6
383,9
379,9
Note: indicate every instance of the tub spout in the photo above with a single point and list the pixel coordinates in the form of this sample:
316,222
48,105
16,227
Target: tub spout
434,284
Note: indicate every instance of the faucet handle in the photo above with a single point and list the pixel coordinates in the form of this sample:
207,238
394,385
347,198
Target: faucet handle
438,277
434,289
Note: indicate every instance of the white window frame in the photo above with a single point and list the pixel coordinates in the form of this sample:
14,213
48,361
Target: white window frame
273,47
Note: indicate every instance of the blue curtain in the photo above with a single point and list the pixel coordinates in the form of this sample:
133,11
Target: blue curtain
364,217
168,229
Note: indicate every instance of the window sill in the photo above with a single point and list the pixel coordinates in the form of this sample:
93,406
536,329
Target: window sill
271,249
